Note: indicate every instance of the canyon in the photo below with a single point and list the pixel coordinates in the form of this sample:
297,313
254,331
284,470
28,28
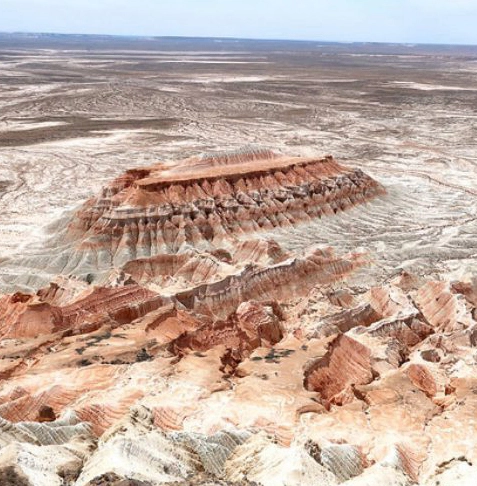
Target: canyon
207,298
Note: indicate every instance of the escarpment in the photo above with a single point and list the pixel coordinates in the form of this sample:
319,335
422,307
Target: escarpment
209,206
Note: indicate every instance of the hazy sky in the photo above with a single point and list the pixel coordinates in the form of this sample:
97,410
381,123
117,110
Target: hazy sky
435,21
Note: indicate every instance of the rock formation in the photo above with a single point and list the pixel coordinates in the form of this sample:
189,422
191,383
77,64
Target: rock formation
210,203
180,344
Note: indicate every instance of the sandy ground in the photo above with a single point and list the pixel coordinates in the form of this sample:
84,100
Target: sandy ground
76,113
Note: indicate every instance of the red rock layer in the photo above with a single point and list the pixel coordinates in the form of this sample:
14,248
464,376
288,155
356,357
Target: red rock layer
23,315
422,379
190,268
28,406
251,326
187,268
346,363
443,308
159,210
283,281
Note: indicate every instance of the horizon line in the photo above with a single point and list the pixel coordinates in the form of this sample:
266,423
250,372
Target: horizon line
260,39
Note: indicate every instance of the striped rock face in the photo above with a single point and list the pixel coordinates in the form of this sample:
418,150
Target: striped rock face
163,337
211,201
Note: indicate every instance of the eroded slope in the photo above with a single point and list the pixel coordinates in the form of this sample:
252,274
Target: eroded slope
182,346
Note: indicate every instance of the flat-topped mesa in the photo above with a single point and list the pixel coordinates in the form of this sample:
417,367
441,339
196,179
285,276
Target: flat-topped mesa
206,202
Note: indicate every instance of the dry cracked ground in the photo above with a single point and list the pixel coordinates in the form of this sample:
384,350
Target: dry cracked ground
259,315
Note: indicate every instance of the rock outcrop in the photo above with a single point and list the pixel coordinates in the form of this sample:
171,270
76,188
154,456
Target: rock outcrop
206,201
